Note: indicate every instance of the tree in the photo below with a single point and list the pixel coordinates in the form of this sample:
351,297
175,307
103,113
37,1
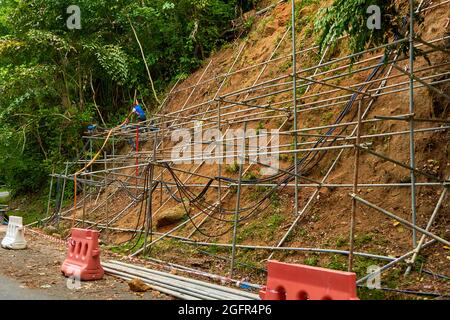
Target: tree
54,81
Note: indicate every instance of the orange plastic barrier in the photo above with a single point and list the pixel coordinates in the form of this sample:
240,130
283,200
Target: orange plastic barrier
83,257
298,282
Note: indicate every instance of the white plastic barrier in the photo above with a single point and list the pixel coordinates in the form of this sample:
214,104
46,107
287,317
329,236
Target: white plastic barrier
14,238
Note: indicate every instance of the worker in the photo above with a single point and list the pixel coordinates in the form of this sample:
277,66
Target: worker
137,109
92,128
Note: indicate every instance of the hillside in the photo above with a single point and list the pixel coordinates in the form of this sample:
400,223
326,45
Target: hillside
247,83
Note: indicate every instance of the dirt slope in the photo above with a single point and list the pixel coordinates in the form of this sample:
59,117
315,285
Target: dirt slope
326,223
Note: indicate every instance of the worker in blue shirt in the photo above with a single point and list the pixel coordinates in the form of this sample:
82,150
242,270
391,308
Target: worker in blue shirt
137,109
91,128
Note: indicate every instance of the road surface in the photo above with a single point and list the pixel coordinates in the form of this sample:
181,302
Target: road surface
35,273
12,290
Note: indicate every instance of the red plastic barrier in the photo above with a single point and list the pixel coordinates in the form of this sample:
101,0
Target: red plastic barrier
298,282
83,257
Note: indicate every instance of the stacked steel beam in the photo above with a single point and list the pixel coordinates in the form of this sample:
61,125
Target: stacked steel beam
174,285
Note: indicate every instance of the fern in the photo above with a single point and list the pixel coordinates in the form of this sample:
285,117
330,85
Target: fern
349,17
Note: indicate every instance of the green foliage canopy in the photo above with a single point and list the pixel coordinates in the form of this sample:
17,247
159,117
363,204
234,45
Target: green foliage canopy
51,78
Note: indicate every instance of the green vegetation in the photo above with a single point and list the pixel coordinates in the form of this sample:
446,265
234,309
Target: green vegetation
326,117
33,209
349,17
250,176
166,245
301,91
304,22
52,79
312,261
263,229
130,246
262,25
232,168
285,66
286,157
249,23
251,259
259,191
394,277
259,127
341,241
274,221
215,249
361,240
337,262
5,199
361,265
302,232
365,293
275,200
300,19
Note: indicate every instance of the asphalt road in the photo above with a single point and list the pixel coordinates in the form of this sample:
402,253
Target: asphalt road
11,290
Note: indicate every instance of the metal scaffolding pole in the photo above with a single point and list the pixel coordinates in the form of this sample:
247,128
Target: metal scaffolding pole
430,223
392,263
272,248
329,78
238,202
84,203
333,165
219,166
294,97
355,189
50,193
320,66
106,200
412,162
91,155
62,194
232,113
402,221
148,215
192,92
247,95
216,94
